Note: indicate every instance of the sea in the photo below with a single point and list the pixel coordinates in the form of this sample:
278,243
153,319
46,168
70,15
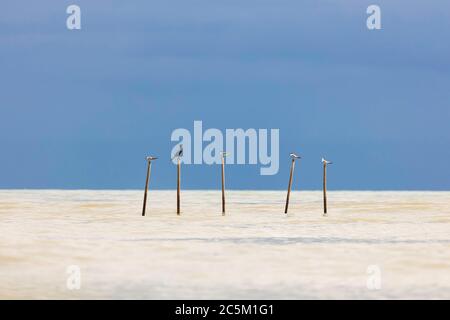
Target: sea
95,244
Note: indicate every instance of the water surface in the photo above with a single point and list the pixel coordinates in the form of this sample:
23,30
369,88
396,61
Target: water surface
254,252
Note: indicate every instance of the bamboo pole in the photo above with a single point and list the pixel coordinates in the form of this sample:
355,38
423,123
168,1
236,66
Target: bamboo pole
324,187
149,164
223,184
289,185
178,187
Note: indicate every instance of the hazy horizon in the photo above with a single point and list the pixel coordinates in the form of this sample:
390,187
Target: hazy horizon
218,189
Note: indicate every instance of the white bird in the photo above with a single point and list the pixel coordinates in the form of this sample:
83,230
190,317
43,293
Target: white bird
294,156
179,153
326,161
150,158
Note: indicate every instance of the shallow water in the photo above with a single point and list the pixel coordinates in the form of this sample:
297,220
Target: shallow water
372,245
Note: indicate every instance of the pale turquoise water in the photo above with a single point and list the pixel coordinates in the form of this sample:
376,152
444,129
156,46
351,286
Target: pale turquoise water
255,251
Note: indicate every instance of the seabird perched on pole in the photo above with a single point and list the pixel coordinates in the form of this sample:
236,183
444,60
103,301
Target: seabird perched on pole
325,163
149,164
294,157
178,155
223,155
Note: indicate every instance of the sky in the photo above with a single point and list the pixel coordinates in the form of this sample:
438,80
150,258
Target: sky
80,109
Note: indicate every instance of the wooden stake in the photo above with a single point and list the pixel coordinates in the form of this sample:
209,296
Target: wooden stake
178,187
325,188
149,164
289,185
223,185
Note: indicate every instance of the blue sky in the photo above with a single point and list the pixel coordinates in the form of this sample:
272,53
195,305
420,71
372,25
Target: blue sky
81,109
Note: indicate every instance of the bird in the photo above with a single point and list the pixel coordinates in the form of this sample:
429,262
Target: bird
150,158
326,161
294,156
179,153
